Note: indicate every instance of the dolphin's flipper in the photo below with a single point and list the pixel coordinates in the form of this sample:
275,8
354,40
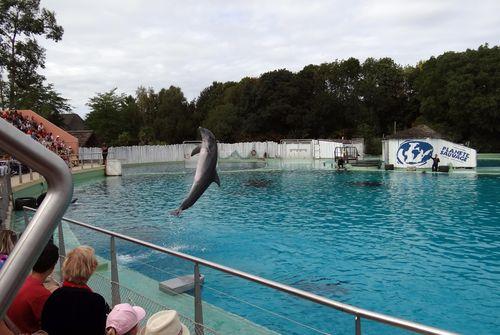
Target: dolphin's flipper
216,179
196,150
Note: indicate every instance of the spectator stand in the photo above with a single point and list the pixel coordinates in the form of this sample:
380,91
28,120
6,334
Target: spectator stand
44,132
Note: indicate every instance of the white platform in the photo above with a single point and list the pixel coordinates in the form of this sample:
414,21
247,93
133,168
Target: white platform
179,284
113,167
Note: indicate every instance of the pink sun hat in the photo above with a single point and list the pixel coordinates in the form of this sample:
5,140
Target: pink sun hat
124,317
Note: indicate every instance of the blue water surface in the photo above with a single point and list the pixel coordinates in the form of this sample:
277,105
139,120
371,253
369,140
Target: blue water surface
423,247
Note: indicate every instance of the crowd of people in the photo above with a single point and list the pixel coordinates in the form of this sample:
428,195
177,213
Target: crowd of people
44,306
38,132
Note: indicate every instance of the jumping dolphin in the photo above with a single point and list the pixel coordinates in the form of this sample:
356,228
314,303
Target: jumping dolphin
205,170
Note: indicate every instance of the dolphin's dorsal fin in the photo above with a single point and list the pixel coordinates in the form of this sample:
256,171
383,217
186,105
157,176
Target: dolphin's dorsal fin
216,179
196,150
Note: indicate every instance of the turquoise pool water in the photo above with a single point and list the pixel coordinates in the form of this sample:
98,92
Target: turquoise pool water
424,247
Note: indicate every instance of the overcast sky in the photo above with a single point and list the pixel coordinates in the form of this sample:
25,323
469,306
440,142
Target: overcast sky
190,44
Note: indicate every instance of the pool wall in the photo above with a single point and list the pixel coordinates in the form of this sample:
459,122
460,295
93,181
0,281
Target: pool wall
35,187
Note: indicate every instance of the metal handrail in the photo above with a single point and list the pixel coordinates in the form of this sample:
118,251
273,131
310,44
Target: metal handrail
46,218
359,313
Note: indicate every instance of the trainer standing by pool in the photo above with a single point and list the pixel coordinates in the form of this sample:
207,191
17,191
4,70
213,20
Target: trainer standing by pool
104,150
435,163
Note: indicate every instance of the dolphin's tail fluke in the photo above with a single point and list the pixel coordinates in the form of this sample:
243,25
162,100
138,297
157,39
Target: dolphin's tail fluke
176,212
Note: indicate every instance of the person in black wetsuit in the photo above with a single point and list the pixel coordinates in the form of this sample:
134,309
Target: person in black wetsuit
104,150
435,163
340,163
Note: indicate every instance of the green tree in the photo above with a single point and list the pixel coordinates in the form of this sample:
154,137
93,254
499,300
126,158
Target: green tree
459,95
105,116
21,21
45,101
223,121
131,121
382,90
173,122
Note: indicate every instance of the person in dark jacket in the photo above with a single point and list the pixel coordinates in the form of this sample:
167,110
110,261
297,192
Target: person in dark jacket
104,150
435,163
74,308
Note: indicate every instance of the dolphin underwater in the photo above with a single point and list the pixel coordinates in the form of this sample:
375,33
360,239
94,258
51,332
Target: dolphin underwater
205,170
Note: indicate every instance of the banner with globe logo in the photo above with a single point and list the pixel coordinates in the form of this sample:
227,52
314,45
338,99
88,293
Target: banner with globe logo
414,153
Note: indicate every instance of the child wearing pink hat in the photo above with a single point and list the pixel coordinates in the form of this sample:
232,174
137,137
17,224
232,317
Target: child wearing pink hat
124,320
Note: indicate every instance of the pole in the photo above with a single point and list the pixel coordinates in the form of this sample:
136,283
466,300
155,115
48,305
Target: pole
62,248
198,309
115,282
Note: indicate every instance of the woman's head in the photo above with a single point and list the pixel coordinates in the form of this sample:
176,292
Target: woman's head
124,320
79,265
8,239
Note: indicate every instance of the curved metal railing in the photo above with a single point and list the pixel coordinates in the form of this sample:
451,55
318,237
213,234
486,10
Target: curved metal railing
46,218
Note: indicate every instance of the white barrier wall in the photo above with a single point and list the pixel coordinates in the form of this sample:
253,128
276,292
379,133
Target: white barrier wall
182,152
89,154
297,149
248,150
326,149
288,149
418,152
148,153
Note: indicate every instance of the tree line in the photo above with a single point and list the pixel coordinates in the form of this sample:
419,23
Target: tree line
456,93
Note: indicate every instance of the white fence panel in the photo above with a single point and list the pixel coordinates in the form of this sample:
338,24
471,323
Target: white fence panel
90,154
297,149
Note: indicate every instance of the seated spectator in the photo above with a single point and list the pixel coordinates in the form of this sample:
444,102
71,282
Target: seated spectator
36,131
74,308
26,310
124,320
165,323
8,239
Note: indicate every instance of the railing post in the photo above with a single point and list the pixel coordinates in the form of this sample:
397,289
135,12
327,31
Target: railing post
26,219
115,283
198,309
20,171
31,174
357,319
91,160
62,248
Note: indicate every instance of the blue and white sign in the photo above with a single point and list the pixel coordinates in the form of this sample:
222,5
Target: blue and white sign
414,153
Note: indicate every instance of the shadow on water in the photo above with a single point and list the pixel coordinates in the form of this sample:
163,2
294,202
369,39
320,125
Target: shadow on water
258,183
366,183
322,286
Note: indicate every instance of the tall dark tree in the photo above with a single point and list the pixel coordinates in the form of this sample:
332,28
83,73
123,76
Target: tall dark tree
21,22
459,94
105,116
173,122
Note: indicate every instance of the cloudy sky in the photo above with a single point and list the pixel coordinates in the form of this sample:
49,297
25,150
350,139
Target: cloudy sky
190,44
